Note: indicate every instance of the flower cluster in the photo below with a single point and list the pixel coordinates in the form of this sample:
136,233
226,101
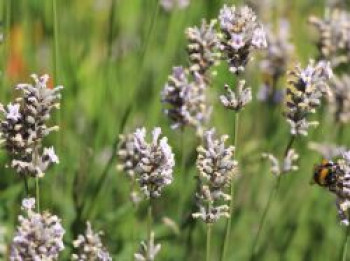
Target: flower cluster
274,65
340,98
334,40
240,34
216,169
169,5
236,101
203,47
154,170
306,88
38,236
186,99
89,246
23,127
287,165
148,251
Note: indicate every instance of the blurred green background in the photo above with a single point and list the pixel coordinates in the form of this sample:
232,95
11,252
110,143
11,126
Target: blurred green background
113,58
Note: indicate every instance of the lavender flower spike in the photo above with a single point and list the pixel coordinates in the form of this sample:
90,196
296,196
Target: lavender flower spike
24,126
203,47
185,99
216,169
306,88
240,35
154,170
38,236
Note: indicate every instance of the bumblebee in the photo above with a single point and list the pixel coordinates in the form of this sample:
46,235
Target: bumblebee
326,174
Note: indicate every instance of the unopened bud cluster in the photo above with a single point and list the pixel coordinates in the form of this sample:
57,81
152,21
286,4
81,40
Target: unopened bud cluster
304,92
241,33
216,169
236,101
148,250
23,127
39,236
89,246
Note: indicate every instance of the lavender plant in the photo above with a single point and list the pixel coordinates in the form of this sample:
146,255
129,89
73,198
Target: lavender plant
216,170
303,96
154,171
240,34
24,126
39,236
89,246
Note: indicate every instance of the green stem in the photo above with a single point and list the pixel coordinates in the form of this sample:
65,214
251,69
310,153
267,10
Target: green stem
289,146
110,30
232,189
149,33
209,230
134,229
37,192
149,228
103,177
183,175
26,187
